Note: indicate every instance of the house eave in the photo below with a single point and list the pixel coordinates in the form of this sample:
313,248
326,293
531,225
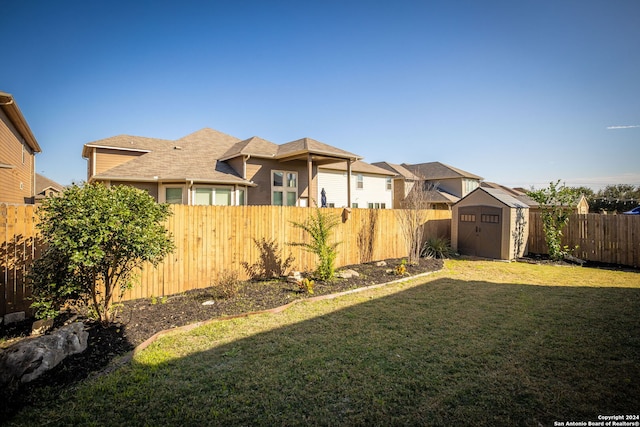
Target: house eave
11,109
85,150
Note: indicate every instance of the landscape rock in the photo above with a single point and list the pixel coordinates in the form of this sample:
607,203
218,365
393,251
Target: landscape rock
41,326
14,317
28,359
381,264
347,274
294,277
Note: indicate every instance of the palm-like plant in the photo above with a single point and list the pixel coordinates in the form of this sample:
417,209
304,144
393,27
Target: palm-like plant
319,227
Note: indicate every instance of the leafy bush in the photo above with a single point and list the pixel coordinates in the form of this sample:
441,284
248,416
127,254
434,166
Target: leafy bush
555,202
270,265
96,236
437,247
319,228
228,285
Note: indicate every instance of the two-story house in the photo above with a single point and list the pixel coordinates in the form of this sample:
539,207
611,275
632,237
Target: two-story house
18,148
209,167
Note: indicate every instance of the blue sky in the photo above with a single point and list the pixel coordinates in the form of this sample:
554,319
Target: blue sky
518,92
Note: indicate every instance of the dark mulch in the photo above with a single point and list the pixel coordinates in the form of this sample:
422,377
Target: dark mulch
140,319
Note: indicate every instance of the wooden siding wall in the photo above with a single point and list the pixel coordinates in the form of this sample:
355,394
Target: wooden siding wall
613,239
11,146
110,158
212,240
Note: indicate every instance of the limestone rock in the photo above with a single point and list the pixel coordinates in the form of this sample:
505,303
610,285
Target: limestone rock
28,359
294,277
381,264
347,274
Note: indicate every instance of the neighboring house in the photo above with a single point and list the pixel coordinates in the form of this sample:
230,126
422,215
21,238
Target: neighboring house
46,187
18,148
444,184
580,205
209,167
372,186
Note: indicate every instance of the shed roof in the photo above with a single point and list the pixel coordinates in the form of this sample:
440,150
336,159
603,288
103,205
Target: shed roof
500,195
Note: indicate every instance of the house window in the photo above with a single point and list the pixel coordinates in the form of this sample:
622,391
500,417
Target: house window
284,188
359,181
203,196
388,183
467,218
354,205
173,195
331,205
370,205
383,205
208,196
469,186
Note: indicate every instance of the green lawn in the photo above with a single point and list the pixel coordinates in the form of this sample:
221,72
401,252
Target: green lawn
479,343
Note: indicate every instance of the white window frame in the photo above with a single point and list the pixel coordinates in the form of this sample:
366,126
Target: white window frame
284,188
162,192
168,187
213,188
389,183
359,181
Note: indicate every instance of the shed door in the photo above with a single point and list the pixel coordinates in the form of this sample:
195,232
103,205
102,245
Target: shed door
479,231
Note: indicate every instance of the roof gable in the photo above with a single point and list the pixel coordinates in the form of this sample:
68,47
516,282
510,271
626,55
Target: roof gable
500,195
437,170
253,146
398,169
311,146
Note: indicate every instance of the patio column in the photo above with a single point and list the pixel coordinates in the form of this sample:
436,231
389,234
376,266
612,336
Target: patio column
349,183
309,177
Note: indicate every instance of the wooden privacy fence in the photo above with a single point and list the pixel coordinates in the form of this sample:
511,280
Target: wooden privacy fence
213,240
613,239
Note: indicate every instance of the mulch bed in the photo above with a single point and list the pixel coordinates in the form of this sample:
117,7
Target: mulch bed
140,319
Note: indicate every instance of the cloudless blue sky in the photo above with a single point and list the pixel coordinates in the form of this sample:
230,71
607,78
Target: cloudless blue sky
518,92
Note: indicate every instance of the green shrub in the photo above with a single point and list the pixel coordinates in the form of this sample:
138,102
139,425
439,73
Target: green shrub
437,247
96,236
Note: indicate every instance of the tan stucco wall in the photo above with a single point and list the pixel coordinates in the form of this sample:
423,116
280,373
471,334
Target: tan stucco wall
259,171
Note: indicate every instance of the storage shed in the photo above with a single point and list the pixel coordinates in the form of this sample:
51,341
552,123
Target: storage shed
490,223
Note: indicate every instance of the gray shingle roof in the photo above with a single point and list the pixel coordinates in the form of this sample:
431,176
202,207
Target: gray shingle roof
314,147
398,169
437,170
200,156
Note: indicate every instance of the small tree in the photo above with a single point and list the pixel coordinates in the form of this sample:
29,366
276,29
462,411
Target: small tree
96,237
412,217
319,228
555,202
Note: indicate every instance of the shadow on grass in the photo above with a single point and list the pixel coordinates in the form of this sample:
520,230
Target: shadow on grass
442,353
